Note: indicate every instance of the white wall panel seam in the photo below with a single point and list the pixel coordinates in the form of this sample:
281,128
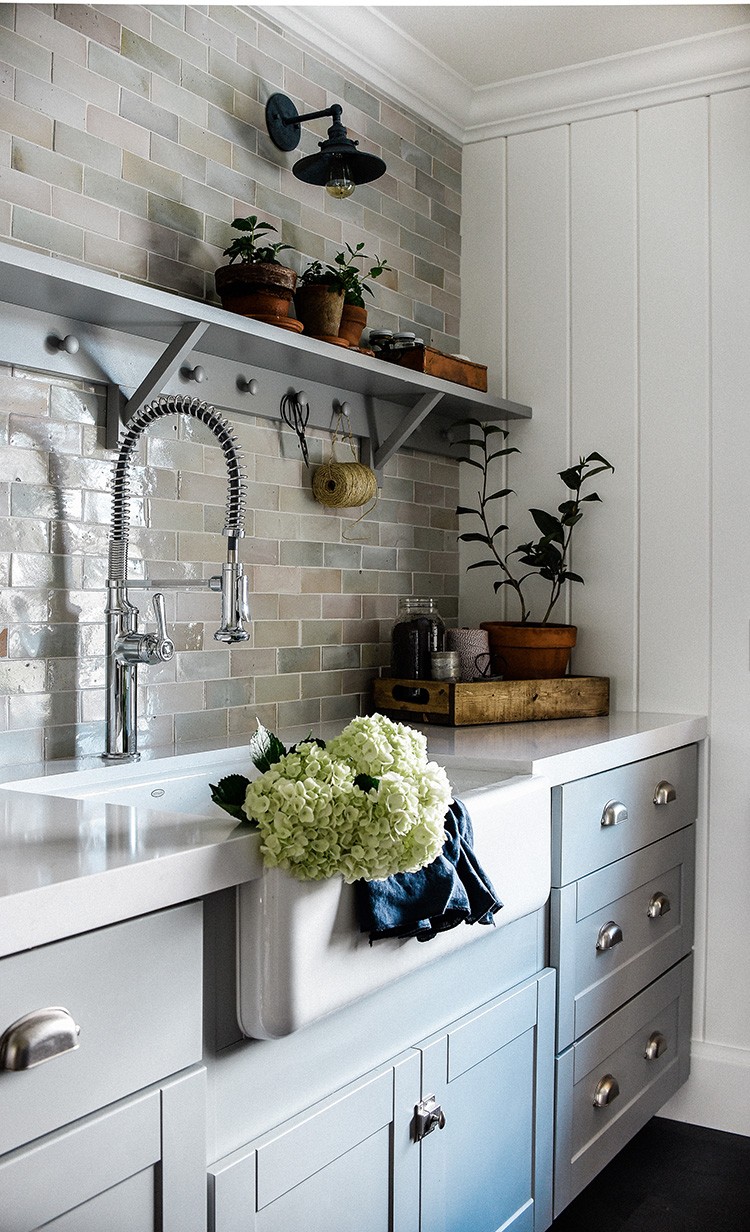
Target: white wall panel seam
637,531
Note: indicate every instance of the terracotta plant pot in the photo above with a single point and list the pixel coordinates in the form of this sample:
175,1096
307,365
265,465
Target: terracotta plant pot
319,308
529,651
256,289
353,322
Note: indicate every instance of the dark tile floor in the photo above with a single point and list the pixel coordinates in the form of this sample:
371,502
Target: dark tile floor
671,1177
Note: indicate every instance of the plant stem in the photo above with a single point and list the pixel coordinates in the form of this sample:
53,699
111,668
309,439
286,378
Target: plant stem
516,586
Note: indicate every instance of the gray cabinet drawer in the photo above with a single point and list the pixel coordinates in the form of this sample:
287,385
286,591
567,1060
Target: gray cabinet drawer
618,929
604,817
589,1135
133,989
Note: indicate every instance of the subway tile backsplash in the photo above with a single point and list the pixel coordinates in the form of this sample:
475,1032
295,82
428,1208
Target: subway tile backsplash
130,136
135,134
323,591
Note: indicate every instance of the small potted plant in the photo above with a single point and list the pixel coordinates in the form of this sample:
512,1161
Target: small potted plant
319,301
255,283
355,283
527,649
341,286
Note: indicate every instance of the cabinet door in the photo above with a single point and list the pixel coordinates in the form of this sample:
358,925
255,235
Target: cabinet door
135,1167
347,1162
490,1167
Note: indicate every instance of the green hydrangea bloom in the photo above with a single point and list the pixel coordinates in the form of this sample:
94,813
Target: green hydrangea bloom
316,822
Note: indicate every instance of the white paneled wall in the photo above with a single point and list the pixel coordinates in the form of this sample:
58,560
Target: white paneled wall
621,255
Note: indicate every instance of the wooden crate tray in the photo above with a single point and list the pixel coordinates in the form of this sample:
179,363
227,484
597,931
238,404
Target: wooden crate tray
436,363
493,701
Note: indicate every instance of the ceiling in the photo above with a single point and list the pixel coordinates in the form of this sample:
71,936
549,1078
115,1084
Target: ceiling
480,71
492,43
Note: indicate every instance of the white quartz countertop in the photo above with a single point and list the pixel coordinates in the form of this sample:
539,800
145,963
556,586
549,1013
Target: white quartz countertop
70,865
566,749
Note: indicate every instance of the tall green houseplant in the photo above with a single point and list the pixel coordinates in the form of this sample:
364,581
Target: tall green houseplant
545,556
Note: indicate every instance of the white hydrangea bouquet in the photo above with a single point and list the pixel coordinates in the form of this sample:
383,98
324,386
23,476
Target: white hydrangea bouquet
365,805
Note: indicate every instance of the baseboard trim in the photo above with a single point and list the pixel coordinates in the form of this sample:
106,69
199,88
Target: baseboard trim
717,1094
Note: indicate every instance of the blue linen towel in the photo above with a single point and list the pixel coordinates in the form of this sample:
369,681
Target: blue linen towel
454,888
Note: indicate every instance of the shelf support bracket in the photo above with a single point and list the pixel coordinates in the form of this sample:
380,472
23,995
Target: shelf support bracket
119,412
381,454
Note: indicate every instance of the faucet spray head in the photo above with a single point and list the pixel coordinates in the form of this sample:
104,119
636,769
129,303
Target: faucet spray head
235,604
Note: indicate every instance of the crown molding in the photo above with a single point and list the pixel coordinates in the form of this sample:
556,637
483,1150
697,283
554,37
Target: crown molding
674,71
376,50
373,48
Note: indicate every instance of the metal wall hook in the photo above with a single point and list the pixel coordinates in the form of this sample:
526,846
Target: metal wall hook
247,385
194,374
70,344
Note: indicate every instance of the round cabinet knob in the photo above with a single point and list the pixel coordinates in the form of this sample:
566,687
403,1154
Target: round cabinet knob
655,1046
614,813
69,344
659,906
607,1089
609,934
664,793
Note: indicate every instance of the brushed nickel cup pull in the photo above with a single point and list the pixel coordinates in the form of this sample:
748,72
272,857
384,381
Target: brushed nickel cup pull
37,1037
607,1089
659,905
655,1046
609,934
614,812
664,792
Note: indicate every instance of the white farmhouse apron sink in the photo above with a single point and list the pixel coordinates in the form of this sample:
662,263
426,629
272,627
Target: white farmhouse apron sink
300,954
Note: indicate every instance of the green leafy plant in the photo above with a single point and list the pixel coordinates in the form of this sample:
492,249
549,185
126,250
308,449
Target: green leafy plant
250,247
346,274
546,556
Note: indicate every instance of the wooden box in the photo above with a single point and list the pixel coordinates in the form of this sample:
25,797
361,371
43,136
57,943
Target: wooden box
492,701
448,367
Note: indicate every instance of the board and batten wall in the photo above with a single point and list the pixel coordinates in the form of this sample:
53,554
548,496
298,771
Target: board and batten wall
617,253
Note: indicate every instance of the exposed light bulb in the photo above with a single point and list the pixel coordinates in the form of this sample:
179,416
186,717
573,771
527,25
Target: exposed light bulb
340,184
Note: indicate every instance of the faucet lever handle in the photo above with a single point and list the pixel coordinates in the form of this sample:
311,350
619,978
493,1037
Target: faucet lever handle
164,644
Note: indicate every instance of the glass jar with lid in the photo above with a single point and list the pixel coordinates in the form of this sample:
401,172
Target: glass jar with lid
417,632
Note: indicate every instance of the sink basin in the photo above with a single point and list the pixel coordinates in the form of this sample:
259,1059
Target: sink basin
174,785
300,955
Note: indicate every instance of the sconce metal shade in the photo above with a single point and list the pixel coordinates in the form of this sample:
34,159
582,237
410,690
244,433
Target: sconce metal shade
338,151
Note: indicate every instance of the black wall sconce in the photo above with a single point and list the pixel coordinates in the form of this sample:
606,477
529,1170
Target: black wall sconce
339,166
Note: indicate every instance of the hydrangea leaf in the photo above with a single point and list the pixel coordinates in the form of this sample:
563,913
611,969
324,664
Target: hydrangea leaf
229,794
265,749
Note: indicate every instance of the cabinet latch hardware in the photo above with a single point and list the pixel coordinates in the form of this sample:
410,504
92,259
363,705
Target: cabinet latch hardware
609,934
655,1046
664,793
659,905
428,1115
614,813
607,1089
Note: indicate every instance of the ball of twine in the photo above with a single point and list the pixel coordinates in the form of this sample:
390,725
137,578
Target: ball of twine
344,485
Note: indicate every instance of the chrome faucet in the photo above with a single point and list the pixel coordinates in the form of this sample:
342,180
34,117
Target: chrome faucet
126,648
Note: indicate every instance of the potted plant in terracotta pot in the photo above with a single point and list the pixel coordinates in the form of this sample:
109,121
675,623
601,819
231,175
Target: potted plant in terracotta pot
255,283
319,302
355,282
339,293
526,649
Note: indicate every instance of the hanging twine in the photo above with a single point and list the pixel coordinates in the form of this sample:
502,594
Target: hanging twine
345,485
